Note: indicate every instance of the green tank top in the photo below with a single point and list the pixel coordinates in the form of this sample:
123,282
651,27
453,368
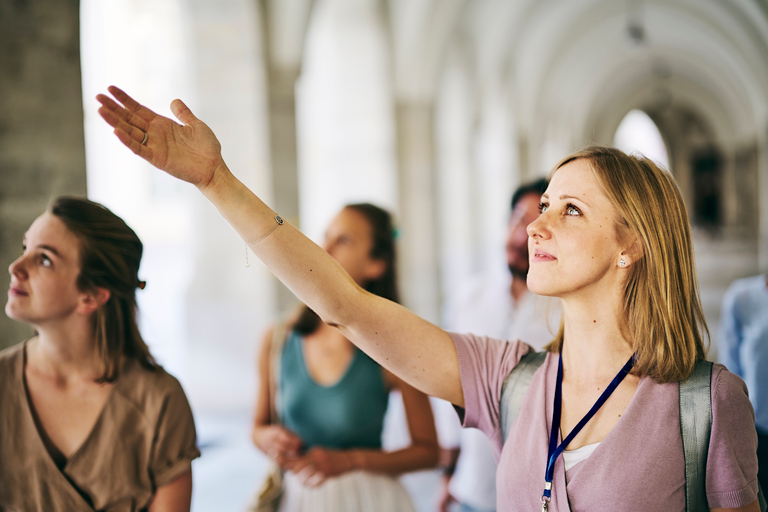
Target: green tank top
347,414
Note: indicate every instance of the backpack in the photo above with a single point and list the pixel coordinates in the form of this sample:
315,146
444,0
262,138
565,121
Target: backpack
695,421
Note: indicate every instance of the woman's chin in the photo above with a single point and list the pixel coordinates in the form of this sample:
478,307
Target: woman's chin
539,285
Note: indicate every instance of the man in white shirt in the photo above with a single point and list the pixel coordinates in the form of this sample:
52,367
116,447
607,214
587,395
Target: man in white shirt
499,306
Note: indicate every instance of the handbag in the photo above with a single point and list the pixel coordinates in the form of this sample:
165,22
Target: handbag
270,492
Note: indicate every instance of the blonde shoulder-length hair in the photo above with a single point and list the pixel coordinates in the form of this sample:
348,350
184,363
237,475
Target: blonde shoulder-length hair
662,306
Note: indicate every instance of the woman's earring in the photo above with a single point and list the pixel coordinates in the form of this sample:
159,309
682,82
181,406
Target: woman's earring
622,262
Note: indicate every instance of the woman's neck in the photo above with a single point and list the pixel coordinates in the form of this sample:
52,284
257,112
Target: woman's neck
596,340
66,353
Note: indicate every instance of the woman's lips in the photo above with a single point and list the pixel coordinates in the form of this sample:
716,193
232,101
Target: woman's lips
17,292
541,256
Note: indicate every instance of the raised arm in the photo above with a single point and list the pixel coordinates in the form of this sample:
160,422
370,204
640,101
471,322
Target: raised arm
415,350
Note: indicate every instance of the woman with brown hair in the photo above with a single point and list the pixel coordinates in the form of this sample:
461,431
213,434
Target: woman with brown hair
331,398
613,243
89,421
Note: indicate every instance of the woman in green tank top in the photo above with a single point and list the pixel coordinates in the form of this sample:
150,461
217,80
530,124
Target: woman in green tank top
332,397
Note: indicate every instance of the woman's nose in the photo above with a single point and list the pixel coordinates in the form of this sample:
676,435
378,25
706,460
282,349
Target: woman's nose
16,268
537,228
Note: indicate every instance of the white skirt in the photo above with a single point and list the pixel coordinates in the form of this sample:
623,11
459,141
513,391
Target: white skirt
356,491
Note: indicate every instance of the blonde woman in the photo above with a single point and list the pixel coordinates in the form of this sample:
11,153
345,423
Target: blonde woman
613,243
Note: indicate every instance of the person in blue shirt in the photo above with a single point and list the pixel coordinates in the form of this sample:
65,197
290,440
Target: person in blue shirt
744,350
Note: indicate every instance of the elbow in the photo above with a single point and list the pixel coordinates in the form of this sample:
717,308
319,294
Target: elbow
433,456
339,313
430,455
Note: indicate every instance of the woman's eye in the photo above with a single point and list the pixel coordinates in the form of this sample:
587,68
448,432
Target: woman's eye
45,261
572,210
543,207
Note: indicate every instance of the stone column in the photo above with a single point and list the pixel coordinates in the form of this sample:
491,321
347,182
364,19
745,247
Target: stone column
281,97
42,148
762,199
419,264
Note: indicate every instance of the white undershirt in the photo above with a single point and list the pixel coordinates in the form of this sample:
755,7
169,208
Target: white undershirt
573,457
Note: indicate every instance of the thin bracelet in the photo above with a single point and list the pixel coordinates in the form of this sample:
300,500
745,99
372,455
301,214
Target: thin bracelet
279,221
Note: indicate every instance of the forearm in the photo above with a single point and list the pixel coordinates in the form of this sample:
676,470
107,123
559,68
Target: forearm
413,458
175,496
294,259
383,330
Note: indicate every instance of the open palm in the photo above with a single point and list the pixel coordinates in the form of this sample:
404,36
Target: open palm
188,151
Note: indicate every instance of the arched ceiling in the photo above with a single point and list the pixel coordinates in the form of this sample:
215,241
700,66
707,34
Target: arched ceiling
568,61
575,55
420,31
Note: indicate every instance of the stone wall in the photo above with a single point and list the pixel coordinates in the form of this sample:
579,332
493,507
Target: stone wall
42,152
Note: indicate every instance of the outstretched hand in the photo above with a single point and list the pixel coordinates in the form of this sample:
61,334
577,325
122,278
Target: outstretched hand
188,151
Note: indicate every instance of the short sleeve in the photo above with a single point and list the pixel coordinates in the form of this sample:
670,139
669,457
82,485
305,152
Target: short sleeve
732,457
175,443
484,364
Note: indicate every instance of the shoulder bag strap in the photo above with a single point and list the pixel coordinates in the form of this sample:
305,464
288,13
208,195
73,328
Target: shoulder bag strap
695,427
514,388
279,334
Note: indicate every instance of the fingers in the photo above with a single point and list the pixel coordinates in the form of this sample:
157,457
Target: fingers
285,441
307,473
134,145
315,479
119,118
287,462
282,445
182,112
132,105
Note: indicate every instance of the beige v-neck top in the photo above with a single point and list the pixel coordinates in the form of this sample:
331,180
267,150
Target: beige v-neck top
143,439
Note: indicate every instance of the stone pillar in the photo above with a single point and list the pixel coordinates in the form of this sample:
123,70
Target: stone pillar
227,306
762,199
419,264
281,95
42,148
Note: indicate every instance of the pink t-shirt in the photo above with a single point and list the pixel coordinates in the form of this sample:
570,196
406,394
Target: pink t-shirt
639,466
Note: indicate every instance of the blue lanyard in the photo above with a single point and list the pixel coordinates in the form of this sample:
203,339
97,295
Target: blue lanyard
554,450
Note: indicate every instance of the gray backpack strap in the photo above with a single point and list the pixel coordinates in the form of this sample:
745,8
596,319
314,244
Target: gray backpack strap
514,388
695,426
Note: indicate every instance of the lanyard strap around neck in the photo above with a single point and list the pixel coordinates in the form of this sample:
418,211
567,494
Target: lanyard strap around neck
554,450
